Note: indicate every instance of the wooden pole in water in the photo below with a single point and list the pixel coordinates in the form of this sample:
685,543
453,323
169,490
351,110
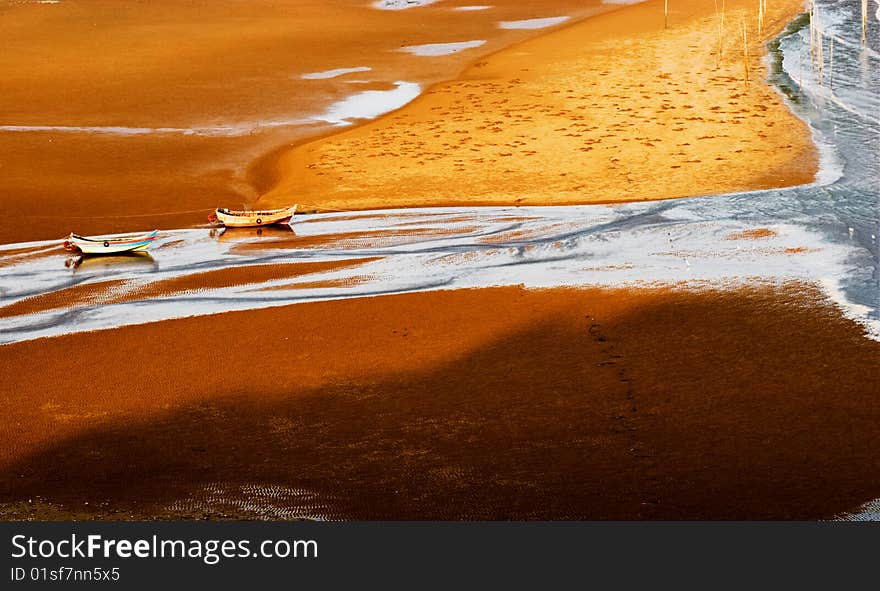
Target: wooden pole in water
801,73
665,14
831,66
760,17
864,22
760,5
745,40
812,39
764,13
718,61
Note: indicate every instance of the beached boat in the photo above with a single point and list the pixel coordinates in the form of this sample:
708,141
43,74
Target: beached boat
110,244
244,219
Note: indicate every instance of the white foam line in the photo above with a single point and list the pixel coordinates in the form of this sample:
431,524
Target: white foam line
437,49
234,130
471,8
370,103
401,4
533,23
30,245
334,73
266,502
364,105
111,129
856,312
870,511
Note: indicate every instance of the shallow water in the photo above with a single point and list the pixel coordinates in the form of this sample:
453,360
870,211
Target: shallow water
370,103
844,207
401,4
327,74
824,233
438,49
534,23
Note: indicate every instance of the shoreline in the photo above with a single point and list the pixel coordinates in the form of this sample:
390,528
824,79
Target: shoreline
439,176
694,243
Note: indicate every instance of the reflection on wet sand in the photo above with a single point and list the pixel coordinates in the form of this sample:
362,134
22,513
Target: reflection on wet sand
245,275
120,261
15,256
205,271
340,282
359,240
275,231
67,298
100,294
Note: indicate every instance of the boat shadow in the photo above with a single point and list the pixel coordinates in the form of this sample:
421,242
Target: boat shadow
274,233
225,234
102,261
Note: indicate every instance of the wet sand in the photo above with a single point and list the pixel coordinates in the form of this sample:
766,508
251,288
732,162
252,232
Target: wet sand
229,70
343,240
117,290
502,403
613,108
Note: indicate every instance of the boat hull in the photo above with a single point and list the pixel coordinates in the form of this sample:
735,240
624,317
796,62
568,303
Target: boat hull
251,219
111,244
112,249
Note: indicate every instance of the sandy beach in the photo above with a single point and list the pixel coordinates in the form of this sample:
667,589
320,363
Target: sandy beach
614,108
706,358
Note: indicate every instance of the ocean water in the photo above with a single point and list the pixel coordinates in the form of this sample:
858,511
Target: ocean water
844,113
370,103
534,23
825,233
440,49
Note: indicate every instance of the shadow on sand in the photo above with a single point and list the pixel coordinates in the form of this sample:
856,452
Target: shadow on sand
735,408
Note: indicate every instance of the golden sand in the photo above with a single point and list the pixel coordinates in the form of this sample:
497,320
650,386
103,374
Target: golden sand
191,65
756,234
483,404
613,108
